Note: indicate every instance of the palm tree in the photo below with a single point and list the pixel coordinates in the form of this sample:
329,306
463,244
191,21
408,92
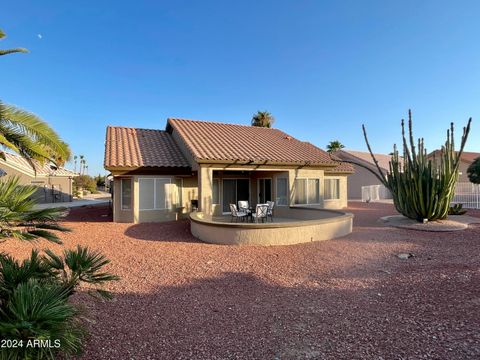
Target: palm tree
263,119
334,146
75,163
28,135
82,160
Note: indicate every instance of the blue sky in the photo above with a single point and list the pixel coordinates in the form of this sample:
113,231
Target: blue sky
321,67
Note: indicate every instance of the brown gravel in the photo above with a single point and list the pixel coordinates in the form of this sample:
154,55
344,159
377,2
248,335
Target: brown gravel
348,298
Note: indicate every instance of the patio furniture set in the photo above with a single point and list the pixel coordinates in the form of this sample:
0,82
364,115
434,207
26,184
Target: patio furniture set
246,213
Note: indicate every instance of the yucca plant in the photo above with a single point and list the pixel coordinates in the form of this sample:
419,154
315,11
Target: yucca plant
19,219
34,303
422,188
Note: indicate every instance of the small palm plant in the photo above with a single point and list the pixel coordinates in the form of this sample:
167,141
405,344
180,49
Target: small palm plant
34,303
263,119
422,188
19,219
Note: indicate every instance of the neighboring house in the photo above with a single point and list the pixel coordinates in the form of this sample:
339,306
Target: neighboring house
466,160
162,175
363,177
54,184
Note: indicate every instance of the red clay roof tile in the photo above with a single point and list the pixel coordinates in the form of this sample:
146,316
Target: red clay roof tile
133,148
213,141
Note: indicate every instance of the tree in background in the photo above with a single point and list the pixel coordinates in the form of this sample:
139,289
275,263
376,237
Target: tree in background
82,160
100,180
85,182
263,119
334,146
28,135
75,163
473,171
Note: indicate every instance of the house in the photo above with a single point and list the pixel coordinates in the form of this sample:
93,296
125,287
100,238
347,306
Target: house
161,175
55,184
466,160
363,177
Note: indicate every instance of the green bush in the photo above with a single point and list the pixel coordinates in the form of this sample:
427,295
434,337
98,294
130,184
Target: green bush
86,182
34,303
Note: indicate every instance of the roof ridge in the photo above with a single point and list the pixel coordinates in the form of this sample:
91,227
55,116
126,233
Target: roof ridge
221,123
133,128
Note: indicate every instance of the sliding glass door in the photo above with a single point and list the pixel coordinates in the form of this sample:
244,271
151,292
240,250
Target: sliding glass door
235,190
264,190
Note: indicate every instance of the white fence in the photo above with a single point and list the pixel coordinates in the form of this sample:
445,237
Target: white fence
374,193
466,193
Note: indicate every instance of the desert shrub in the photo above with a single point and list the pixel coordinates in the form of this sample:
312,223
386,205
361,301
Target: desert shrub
422,189
473,171
34,293
34,304
457,209
85,182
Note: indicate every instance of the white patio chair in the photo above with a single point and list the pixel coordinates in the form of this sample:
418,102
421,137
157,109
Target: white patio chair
260,212
243,206
237,214
270,204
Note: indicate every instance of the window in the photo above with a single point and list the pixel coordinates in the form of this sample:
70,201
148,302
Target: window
282,191
216,191
126,194
307,191
332,189
159,193
146,198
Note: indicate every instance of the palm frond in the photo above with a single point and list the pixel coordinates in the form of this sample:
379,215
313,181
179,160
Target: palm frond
39,131
11,51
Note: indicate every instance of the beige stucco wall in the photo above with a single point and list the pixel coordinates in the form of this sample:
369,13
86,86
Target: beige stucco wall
63,183
135,215
316,227
463,171
361,177
201,188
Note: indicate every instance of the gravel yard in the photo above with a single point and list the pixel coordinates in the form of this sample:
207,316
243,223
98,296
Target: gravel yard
348,298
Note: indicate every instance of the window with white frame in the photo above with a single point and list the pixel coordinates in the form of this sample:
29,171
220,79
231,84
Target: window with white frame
307,191
159,193
332,189
126,194
282,191
216,191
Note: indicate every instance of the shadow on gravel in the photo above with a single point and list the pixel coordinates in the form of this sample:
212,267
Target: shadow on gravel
240,316
171,231
91,213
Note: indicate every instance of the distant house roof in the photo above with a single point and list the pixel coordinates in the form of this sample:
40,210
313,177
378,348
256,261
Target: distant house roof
365,158
468,157
214,141
47,169
134,148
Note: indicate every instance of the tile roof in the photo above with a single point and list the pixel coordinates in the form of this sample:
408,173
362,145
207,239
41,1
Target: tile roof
213,141
468,157
133,148
364,156
23,165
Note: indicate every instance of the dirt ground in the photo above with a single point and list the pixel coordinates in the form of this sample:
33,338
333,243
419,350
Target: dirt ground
348,298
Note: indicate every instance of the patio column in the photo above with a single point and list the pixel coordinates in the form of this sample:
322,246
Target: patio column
205,189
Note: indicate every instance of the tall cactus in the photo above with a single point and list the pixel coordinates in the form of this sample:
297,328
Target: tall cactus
422,188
